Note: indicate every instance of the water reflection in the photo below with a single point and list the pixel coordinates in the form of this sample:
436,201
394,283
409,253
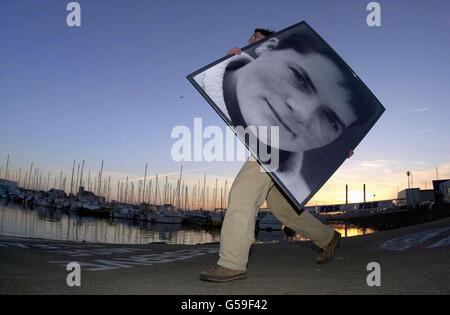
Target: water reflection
55,224
348,230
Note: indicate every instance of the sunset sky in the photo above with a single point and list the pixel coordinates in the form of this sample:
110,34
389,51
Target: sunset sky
114,88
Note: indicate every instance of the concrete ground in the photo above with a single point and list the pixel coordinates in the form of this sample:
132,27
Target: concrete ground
412,260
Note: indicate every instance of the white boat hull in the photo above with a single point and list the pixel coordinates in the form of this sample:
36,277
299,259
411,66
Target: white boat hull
168,219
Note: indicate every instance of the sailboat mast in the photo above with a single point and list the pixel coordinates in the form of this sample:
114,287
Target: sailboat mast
225,194
145,179
100,179
29,179
118,190
132,192
78,173
204,185
7,165
109,187
150,201
215,195
167,193
48,179
81,176
71,180
139,188
126,191
156,190
20,171
179,183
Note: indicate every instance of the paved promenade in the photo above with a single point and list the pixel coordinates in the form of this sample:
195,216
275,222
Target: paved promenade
412,260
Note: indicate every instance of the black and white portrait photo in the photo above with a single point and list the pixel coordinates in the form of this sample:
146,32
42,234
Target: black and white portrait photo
295,81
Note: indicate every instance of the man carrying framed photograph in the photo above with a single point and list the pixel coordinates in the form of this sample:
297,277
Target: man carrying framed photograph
250,189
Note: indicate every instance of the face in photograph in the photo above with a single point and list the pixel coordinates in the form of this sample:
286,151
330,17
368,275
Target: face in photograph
301,93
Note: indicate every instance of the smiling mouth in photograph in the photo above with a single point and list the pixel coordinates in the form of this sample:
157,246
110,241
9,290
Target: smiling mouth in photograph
279,119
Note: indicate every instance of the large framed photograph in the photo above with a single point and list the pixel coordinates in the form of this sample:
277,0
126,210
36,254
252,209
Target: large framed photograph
302,103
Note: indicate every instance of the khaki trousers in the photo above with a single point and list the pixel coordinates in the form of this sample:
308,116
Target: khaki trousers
250,189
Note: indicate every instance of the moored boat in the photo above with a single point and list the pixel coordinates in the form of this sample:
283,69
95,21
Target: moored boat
167,214
197,217
93,210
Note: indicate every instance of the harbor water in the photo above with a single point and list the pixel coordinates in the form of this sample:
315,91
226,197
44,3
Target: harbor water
55,224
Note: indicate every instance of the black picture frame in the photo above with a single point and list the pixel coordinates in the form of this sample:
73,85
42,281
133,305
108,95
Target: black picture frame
335,164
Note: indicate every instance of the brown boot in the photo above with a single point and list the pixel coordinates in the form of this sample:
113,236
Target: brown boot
327,253
222,274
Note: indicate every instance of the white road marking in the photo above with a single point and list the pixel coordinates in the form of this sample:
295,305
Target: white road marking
411,240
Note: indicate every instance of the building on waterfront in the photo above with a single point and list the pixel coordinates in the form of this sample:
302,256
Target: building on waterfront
410,197
445,189
426,195
413,197
379,205
441,190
